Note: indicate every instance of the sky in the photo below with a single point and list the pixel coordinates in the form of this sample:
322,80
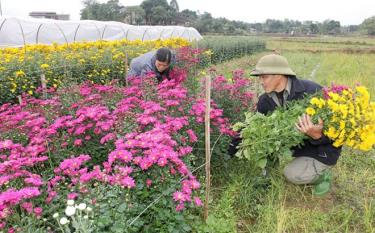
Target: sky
348,12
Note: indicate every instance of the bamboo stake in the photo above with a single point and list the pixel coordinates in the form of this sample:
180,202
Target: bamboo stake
126,69
44,85
19,99
207,144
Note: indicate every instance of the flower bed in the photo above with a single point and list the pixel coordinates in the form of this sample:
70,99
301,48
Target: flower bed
100,61
110,147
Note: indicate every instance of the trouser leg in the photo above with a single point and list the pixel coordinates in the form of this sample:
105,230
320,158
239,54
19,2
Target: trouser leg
304,170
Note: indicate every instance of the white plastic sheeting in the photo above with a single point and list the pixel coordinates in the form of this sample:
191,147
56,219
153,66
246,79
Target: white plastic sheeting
16,32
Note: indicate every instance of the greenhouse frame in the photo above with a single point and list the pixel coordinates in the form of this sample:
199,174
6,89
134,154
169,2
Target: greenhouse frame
18,32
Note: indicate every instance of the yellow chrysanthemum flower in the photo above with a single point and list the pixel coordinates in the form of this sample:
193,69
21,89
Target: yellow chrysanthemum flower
20,73
310,111
44,66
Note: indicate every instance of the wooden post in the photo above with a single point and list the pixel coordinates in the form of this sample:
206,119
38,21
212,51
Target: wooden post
19,99
44,85
207,144
195,64
126,69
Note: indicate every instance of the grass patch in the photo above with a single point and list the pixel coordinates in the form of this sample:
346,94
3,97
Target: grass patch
243,198
322,44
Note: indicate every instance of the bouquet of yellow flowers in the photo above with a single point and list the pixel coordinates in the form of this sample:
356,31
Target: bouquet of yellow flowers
347,113
348,116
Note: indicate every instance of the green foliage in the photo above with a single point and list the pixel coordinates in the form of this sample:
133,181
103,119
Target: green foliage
159,15
369,25
110,11
231,47
216,225
157,12
330,27
265,138
174,5
31,224
135,15
116,210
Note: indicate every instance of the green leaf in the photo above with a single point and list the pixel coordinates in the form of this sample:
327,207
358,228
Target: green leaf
262,163
286,152
118,227
247,153
122,207
105,221
186,228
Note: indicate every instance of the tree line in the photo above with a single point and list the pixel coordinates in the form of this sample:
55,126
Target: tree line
160,12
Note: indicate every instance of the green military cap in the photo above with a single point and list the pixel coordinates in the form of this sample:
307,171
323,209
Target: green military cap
272,64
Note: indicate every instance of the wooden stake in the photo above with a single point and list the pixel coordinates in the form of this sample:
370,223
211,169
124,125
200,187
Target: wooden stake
207,144
126,69
19,99
44,85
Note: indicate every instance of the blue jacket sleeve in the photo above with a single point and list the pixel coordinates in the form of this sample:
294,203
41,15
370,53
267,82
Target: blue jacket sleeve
135,69
141,65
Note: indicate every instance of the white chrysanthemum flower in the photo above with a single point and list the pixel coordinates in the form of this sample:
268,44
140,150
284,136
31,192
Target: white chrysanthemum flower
70,202
55,215
86,217
89,209
64,221
82,206
70,211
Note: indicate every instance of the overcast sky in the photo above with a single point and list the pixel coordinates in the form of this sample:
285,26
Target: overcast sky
348,12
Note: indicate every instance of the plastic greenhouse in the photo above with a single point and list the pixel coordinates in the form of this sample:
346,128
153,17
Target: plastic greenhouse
16,32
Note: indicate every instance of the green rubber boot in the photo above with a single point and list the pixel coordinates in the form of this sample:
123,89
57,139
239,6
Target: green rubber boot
323,184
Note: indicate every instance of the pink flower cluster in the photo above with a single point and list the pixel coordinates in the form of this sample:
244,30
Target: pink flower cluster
185,194
18,159
334,89
187,56
12,197
151,144
216,116
152,127
233,94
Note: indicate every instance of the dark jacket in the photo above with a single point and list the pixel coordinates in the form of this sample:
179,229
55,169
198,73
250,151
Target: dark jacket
145,63
322,149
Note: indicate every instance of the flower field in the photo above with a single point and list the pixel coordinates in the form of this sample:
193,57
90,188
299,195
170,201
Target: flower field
231,47
56,150
100,61
94,155
96,144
